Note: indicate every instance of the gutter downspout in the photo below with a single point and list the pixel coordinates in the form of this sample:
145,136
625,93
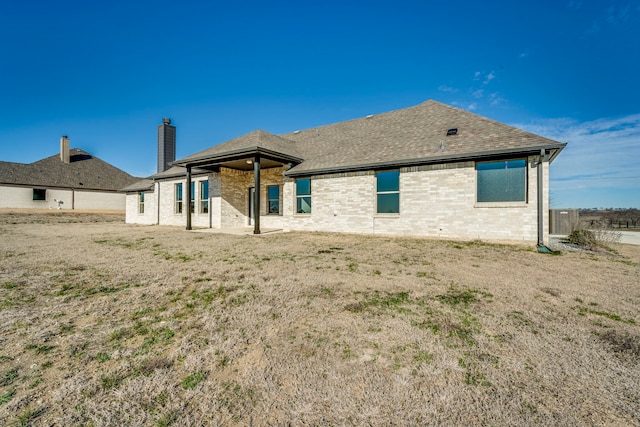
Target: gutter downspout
541,246
540,200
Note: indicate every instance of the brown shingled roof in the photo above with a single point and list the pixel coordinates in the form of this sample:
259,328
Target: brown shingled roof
84,171
408,136
258,140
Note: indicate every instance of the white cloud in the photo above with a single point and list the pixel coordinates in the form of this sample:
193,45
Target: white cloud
495,99
488,78
472,106
601,154
444,88
478,93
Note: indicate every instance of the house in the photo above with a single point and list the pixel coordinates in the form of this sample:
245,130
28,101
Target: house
427,170
74,179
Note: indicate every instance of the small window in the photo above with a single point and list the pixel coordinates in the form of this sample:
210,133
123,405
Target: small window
39,194
192,202
502,181
204,197
388,191
303,195
273,195
178,198
141,202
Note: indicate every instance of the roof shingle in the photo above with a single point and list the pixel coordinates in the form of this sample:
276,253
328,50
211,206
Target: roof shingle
84,171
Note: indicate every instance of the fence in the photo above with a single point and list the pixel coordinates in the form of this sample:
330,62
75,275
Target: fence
563,221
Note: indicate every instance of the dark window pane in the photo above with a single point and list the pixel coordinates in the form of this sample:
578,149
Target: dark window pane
193,191
39,194
389,203
178,191
274,192
388,181
303,205
273,198
204,190
502,181
303,187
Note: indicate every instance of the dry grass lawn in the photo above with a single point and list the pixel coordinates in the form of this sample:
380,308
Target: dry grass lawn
107,324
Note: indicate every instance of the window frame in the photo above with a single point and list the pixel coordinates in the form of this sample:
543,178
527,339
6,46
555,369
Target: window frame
141,202
507,201
39,195
301,196
204,197
272,199
178,197
387,192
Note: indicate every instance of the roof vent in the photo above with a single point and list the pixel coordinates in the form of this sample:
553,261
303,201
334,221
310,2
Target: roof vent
369,116
453,131
296,132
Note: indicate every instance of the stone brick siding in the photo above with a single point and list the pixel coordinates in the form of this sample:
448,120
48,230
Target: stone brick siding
435,200
438,201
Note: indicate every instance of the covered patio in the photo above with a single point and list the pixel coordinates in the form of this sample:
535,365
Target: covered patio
254,151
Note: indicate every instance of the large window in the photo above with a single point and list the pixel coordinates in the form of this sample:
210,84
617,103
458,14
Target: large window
273,195
502,181
141,202
204,197
388,191
39,194
178,198
303,195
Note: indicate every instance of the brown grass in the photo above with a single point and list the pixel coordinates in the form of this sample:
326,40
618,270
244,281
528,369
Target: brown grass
106,324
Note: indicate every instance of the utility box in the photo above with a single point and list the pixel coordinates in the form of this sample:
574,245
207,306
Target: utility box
563,221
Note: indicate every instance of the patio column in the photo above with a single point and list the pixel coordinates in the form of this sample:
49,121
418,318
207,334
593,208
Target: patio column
188,197
256,195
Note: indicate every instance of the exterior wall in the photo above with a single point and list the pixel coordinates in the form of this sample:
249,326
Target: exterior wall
99,200
150,214
435,200
56,198
166,191
234,197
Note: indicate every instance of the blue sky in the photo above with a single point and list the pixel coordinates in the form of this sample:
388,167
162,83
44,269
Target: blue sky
105,73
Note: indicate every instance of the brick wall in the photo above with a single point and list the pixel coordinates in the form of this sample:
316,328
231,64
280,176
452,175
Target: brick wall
436,200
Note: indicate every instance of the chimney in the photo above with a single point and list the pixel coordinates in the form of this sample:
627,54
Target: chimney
166,144
64,150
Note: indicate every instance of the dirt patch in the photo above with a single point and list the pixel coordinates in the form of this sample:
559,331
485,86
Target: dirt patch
104,323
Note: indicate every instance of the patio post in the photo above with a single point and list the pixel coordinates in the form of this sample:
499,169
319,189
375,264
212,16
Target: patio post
256,195
188,197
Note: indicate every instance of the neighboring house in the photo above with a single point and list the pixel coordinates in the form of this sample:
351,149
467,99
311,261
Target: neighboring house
74,179
427,170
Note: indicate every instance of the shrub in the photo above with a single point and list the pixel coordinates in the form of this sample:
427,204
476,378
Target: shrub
594,237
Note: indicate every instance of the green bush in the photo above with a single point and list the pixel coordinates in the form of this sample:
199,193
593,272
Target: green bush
583,238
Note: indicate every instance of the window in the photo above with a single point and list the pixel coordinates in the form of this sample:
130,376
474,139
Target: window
192,202
39,194
178,198
502,181
141,202
273,199
388,191
303,195
204,197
